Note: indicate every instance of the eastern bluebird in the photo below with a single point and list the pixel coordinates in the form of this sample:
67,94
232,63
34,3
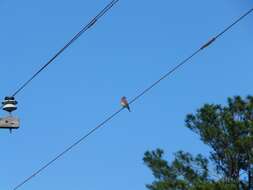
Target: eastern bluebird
124,103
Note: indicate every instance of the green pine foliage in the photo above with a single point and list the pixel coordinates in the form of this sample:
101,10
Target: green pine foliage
228,131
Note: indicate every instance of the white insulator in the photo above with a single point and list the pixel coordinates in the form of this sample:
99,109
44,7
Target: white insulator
9,107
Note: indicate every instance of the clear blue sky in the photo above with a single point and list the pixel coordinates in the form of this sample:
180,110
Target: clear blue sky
125,52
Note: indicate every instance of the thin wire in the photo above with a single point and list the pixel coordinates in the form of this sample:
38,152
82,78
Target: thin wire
67,149
190,57
238,20
131,102
84,29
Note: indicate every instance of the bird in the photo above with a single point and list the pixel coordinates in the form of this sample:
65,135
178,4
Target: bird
124,103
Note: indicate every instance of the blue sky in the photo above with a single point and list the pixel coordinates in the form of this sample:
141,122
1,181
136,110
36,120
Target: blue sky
124,53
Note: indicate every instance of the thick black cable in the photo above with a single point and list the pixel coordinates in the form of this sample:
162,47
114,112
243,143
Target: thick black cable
84,29
132,101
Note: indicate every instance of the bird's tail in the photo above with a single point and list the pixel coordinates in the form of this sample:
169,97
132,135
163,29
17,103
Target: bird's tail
128,108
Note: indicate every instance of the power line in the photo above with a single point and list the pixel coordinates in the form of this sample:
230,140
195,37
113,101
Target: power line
84,29
191,56
132,101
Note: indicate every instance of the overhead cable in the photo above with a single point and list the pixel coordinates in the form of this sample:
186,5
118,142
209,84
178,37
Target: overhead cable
83,30
100,125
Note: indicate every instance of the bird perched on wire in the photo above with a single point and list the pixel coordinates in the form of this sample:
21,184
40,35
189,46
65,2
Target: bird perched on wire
124,103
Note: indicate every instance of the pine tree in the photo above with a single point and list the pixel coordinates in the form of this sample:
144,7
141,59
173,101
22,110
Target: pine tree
228,131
